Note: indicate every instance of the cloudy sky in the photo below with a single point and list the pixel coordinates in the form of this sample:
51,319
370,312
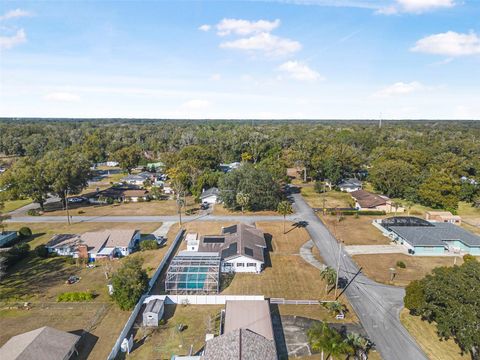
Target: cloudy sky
305,59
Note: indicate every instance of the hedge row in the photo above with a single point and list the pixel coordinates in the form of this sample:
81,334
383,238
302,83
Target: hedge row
75,296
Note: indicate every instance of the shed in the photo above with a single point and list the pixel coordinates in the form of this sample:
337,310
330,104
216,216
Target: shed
153,312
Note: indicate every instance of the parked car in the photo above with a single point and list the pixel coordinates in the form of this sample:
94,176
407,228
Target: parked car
204,206
72,280
76,200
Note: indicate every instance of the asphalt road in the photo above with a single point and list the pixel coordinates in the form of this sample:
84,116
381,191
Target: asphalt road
377,305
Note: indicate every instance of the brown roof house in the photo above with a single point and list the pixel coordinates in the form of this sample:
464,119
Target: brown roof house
248,333
44,343
365,200
443,216
241,248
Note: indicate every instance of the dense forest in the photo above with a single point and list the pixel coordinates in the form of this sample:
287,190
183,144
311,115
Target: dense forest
433,163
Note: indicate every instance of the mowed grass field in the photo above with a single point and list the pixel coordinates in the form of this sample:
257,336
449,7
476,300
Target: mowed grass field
332,198
11,205
426,336
355,231
377,267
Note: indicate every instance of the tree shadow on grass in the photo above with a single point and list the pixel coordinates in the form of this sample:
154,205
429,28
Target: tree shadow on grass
33,275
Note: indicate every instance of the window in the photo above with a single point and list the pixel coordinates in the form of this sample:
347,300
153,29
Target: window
240,264
251,265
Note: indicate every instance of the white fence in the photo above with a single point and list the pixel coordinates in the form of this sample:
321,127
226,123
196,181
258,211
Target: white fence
136,309
202,299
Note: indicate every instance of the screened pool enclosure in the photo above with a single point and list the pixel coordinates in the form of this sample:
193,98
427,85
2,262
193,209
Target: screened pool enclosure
193,273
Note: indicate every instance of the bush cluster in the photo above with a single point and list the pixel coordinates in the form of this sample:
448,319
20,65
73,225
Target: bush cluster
401,264
148,245
75,296
25,232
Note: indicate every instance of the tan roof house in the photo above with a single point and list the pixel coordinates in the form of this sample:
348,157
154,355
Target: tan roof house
365,200
443,216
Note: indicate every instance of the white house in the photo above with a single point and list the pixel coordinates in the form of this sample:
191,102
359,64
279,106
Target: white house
350,185
241,248
210,196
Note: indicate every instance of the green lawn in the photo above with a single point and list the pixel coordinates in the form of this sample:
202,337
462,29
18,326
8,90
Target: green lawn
11,205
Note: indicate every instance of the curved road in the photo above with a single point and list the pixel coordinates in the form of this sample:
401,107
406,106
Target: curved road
377,306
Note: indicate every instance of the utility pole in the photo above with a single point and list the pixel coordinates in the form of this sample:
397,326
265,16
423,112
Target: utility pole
66,206
338,259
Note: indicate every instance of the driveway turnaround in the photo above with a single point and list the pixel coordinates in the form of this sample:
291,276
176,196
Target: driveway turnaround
377,306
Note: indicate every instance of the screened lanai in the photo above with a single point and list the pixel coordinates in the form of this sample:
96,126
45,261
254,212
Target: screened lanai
193,273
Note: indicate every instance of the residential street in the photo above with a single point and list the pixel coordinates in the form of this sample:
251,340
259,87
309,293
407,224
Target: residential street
377,306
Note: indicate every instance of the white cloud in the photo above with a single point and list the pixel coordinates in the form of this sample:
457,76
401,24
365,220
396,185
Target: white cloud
7,42
264,42
245,27
449,44
400,88
299,71
196,104
62,97
204,27
216,77
415,6
15,14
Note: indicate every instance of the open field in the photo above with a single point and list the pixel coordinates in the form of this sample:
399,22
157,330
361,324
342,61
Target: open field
286,275
355,231
332,198
11,205
377,267
426,336
154,207
161,343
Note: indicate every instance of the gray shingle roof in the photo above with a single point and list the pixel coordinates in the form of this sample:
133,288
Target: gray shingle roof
240,344
436,235
44,343
210,192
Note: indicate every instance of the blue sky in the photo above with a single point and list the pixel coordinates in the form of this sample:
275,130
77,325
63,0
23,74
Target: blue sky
310,59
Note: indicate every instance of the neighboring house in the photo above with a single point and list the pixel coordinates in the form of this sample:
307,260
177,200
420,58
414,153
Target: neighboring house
137,179
93,245
210,196
7,236
365,200
241,248
422,237
153,312
248,333
44,343
350,185
64,244
136,195
443,216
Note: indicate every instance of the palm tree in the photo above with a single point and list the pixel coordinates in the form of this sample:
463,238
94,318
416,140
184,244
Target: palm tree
360,345
284,208
322,338
335,307
243,200
329,275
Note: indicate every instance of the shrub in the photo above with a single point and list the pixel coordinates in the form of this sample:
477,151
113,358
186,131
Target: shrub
41,251
110,201
81,212
148,245
75,296
25,232
401,264
17,253
33,212
468,257
319,187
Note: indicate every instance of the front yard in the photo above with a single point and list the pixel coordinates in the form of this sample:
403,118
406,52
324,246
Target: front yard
331,199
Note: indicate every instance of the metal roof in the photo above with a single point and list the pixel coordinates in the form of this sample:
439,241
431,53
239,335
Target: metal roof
436,235
154,306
